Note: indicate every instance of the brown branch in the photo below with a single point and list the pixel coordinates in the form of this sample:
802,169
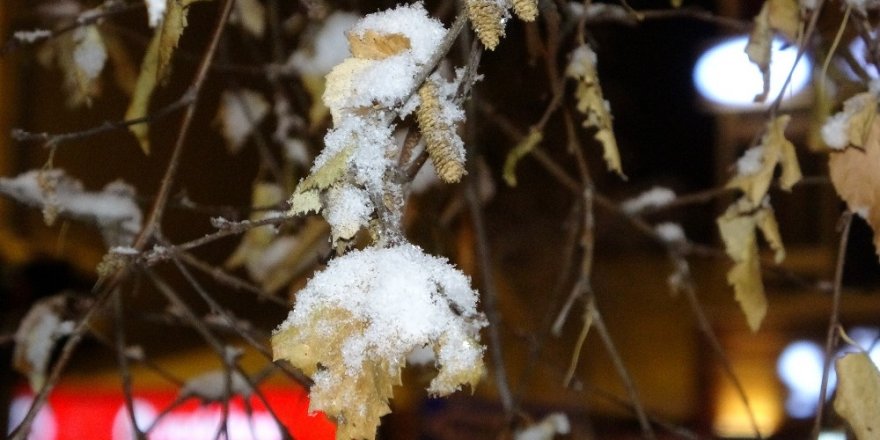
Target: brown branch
833,319
122,360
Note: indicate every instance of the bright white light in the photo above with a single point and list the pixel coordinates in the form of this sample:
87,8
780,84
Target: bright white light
800,368
724,75
832,435
859,53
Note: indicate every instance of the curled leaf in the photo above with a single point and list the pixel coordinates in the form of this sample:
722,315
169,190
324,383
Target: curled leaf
143,91
755,169
781,16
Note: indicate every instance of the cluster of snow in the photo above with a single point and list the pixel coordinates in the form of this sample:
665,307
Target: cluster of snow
408,300
583,62
155,11
546,429
329,48
113,209
670,232
655,197
835,131
90,54
32,35
751,161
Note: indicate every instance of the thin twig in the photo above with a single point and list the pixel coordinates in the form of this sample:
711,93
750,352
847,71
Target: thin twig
122,360
833,319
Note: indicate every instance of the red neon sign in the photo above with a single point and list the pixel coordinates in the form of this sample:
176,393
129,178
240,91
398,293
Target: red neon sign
77,413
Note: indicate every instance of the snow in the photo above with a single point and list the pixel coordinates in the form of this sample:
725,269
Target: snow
155,11
32,35
751,161
113,209
330,46
348,207
240,112
408,299
546,429
211,386
90,54
583,62
835,130
670,232
655,197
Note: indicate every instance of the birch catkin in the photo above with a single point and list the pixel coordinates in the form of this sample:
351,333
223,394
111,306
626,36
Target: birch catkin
487,19
438,135
526,10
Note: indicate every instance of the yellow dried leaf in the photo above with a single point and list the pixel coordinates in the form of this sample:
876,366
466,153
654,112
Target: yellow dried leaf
328,173
314,85
143,91
858,394
340,85
861,121
169,34
784,16
854,174
774,149
737,228
255,240
524,147
487,19
303,202
372,45
593,105
439,136
80,55
758,48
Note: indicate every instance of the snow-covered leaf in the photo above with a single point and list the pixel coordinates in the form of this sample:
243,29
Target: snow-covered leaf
374,45
858,394
755,169
240,112
523,148
853,124
81,56
359,319
251,16
590,102
113,209
854,173
738,231
44,324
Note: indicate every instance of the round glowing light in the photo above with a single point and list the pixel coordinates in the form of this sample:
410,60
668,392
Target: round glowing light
859,52
800,368
725,76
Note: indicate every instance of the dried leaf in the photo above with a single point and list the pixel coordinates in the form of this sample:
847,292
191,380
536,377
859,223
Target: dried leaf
125,73
42,326
329,172
169,34
340,85
314,85
372,45
758,48
255,241
80,55
858,394
854,174
737,227
524,147
240,112
441,140
774,149
251,16
591,103
784,16
143,91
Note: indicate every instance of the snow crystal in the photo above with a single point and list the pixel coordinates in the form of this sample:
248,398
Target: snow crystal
155,11
407,298
546,429
751,161
90,55
330,46
655,197
113,209
31,36
670,232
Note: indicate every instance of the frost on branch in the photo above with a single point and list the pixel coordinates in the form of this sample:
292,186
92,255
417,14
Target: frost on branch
354,324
